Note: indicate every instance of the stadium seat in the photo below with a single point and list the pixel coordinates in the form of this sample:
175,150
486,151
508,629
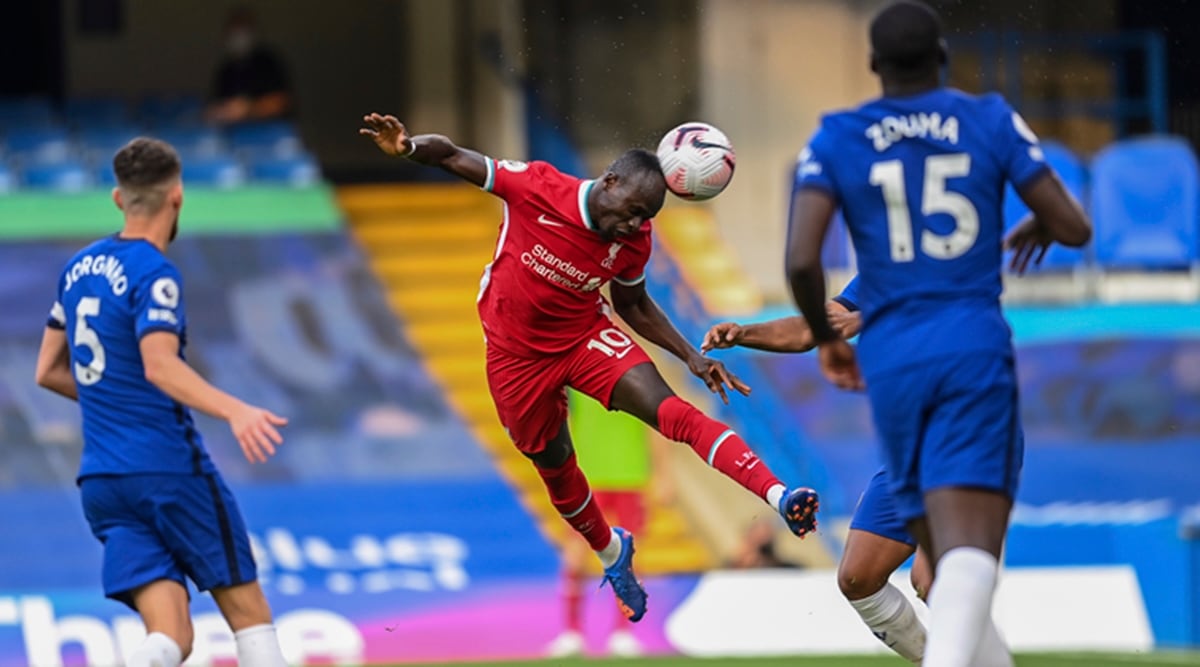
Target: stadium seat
269,138
96,112
1073,172
298,171
169,110
103,176
100,143
217,172
192,141
39,144
62,176
8,180
1144,204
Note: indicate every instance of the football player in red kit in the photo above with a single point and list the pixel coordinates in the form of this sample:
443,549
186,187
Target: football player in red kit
547,327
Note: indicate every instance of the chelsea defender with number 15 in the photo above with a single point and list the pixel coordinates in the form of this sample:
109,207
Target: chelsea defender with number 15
919,174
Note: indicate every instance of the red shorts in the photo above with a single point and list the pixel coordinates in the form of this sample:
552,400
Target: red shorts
626,508
530,394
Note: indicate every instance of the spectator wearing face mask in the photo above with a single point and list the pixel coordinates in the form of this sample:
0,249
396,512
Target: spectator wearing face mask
251,82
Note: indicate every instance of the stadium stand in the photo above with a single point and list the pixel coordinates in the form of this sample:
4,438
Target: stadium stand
68,149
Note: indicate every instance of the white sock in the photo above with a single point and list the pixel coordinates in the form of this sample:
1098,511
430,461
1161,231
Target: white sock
157,650
775,494
960,606
992,651
609,554
894,621
257,646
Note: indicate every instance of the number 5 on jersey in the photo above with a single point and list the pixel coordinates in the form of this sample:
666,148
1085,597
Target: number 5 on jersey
935,198
89,306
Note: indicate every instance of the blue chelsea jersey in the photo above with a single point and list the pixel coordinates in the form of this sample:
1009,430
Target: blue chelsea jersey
110,295
920,181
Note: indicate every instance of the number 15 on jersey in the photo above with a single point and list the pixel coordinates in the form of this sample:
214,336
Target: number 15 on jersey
935,198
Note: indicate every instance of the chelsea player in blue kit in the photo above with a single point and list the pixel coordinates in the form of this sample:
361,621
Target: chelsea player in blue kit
878,542
114,342
919,174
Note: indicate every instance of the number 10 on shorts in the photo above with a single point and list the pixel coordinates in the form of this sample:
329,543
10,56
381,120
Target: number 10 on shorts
612,342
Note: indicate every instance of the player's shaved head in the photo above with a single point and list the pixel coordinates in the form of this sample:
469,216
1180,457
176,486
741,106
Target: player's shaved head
146,171
636,162
906,41
640,168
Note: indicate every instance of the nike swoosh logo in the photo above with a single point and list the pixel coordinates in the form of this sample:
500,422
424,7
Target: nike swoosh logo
547,221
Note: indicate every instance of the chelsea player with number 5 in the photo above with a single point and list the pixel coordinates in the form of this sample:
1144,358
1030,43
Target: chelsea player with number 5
114,343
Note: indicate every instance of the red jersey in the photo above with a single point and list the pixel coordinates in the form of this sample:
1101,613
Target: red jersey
540,295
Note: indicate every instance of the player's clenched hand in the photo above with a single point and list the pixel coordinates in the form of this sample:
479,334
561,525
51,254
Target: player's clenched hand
255,431
722,336
716,376
839,365
846,323
1029,241
387,133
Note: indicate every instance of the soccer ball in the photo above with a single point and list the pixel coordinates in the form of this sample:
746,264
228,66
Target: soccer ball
697,160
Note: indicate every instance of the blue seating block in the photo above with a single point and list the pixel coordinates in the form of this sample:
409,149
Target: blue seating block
1144,204
217,172
298,171
274,138
64,176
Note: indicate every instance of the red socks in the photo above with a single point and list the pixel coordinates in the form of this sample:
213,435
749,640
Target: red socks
573,600
571,496
716,443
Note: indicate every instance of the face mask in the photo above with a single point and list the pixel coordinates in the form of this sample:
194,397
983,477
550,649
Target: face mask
239,42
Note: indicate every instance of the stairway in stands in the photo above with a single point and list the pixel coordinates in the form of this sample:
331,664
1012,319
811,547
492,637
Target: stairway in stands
428,245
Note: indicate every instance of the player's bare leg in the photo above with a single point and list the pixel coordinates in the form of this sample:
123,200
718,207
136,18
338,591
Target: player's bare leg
867,562
643,393
163,606
248,614
572,497
964,535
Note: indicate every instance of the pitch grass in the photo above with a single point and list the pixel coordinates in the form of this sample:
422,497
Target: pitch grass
1166,659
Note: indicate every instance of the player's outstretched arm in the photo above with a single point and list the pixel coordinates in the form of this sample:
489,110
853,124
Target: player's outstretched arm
54,364
390,135
635,306
254,427
786,334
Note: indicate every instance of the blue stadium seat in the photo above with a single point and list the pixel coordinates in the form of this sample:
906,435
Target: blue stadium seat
97,112
1073,172
39,144
167,110
103,176
217,172
267,138
298,171
192,141
63,176
1144,204
100,143
8,180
